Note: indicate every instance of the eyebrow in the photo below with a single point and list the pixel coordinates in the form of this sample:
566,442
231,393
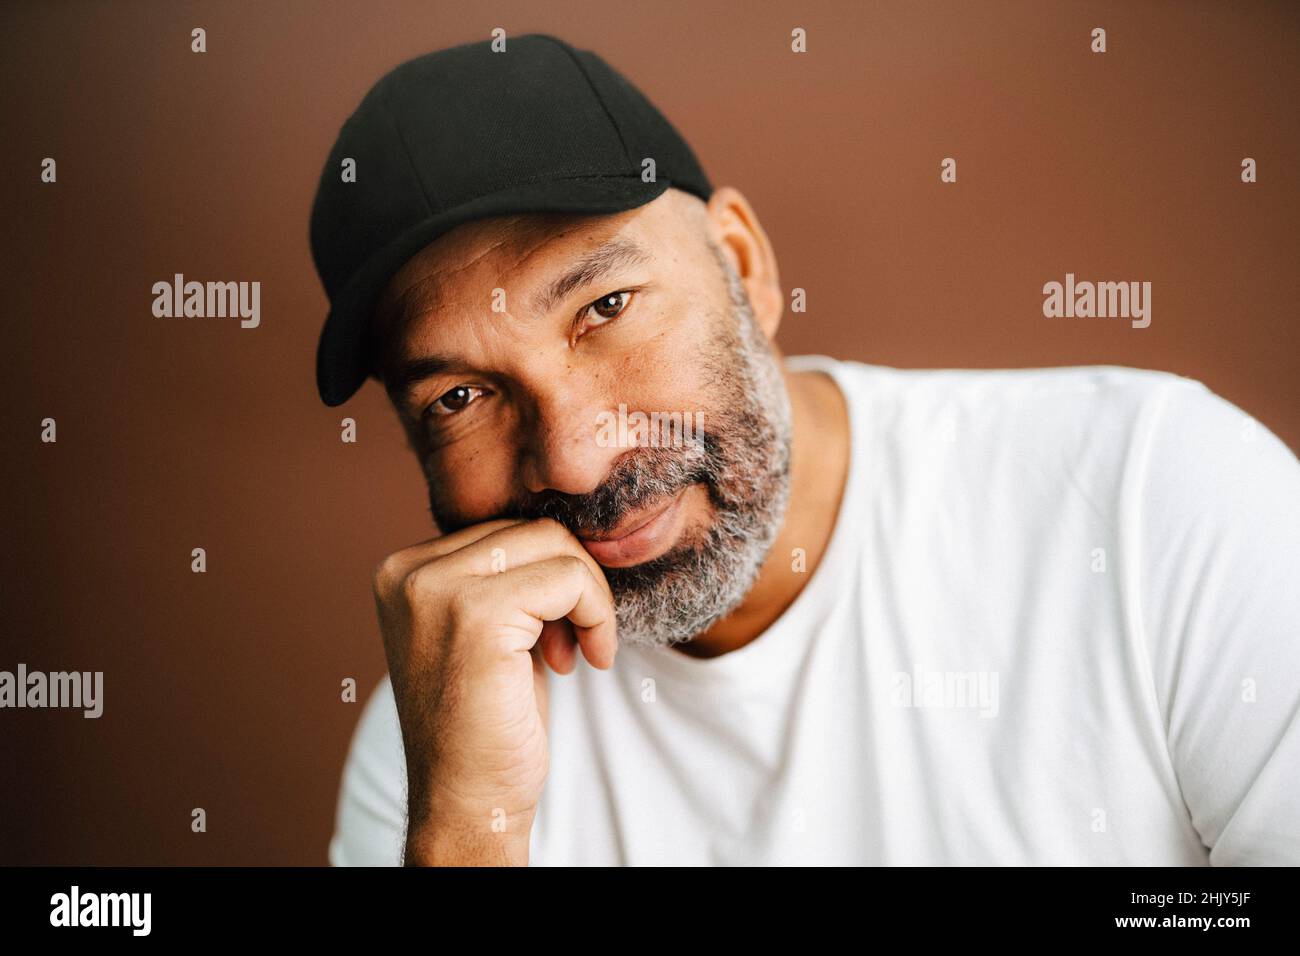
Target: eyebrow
402,380
599,262
615,254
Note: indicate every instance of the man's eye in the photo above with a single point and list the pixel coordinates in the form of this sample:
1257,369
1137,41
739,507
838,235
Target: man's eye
605,308
454,400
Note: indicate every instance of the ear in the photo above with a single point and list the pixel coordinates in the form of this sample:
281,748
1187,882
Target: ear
734,226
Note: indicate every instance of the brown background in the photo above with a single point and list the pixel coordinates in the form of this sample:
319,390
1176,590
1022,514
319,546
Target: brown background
222,689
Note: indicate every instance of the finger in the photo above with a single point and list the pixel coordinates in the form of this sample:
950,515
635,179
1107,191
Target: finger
540,689
467,536
559,587
558,645
399,564
524,543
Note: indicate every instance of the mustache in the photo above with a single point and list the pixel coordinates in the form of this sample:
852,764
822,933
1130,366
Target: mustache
639,478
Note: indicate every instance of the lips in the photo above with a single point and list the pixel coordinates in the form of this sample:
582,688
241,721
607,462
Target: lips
640,536
632,521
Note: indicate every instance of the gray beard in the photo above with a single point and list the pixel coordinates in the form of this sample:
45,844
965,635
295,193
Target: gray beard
746,469
743,462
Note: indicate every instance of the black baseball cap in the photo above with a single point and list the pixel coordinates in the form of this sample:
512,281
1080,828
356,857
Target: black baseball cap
467,133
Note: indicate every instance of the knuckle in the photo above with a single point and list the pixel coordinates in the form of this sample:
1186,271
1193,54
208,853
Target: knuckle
549,527
386,573
573,567
461,603
419,584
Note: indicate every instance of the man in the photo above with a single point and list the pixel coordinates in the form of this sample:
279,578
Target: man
854,615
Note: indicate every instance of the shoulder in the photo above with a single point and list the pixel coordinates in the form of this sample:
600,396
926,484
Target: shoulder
1214,532
1099,433
1041,429
1091,394
1108,394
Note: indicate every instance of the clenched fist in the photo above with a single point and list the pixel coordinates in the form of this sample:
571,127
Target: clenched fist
468,620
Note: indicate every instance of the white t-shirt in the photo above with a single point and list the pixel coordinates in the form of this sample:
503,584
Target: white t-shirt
1057,622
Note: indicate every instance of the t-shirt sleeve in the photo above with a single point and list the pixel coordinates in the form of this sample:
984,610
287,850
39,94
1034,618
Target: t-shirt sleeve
1218,529
370,822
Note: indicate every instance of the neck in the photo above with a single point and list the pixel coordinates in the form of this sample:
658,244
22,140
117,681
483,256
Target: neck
819,458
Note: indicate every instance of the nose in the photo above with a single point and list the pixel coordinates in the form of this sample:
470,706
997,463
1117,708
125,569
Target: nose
561,448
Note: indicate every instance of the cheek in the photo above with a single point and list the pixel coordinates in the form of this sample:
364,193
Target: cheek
673,370
472,479
660,343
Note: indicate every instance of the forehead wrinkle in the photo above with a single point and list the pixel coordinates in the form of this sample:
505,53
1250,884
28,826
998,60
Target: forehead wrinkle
400,312
421,296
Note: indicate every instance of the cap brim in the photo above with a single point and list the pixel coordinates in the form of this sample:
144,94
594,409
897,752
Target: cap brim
341,363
